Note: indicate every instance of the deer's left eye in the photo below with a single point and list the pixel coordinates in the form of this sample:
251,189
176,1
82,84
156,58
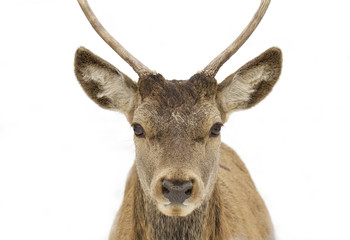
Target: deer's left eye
215,130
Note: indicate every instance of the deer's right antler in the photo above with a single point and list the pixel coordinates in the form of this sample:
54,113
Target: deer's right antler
138,67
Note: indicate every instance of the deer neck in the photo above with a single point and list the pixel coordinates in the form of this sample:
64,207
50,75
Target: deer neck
151,224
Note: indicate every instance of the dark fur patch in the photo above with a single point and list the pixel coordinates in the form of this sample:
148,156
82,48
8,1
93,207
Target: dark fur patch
260,92
176,93
223,167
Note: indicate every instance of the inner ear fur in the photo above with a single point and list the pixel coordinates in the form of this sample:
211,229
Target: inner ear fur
103,83
251,83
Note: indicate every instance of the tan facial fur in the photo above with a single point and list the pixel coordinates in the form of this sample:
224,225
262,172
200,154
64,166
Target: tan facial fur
177,145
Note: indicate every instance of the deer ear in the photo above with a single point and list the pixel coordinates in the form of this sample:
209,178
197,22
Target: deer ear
103,83
251,83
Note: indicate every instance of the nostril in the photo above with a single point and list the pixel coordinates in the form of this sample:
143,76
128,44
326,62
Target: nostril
165,190
177,191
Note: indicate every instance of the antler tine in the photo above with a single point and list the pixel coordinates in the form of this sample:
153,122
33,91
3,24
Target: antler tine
214,66
138,67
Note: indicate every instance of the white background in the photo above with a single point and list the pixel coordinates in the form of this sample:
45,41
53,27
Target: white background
64,160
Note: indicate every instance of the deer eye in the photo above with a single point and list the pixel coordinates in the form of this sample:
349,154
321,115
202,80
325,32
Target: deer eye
215,130
138,130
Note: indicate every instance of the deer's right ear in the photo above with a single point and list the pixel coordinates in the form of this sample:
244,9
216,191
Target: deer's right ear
103,83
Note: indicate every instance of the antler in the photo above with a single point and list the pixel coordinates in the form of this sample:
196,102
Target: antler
138,67
214,66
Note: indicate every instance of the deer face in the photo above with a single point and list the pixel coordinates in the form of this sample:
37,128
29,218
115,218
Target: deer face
177,123
177,126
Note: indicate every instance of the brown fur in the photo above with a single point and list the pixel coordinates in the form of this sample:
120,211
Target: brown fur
175,93
176,117
234,211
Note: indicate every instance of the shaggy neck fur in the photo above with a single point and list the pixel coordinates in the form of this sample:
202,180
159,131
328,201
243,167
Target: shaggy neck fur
173,228
203,223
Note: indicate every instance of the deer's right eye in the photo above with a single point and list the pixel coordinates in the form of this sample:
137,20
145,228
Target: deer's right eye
138,130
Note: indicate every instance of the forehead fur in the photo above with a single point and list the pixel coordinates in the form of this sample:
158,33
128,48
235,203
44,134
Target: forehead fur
174,94
177,107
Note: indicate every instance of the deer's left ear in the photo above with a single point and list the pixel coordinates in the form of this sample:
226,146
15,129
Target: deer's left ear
251,83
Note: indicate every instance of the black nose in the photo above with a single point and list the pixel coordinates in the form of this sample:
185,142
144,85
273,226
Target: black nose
177,191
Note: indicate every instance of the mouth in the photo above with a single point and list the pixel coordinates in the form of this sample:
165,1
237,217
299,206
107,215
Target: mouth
176,209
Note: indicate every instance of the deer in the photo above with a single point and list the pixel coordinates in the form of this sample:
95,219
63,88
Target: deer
184,183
